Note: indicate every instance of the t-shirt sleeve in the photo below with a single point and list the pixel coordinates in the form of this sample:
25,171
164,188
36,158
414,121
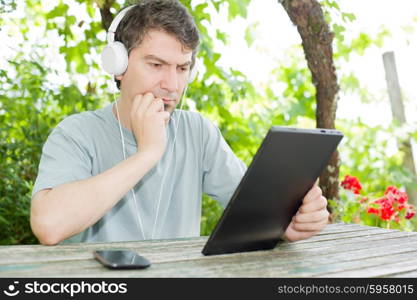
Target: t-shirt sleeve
222,169
64,159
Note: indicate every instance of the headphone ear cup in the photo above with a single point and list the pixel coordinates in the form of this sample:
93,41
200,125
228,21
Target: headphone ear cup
114,58
193,72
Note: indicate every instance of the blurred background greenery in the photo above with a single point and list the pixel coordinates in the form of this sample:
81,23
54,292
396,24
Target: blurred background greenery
53,72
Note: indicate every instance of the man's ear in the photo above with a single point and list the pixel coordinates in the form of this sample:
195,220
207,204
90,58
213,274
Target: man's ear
119,77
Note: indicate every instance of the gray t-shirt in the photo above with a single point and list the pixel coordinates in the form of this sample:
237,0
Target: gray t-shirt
89,143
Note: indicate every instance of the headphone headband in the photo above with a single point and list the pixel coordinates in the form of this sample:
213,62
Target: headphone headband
116,21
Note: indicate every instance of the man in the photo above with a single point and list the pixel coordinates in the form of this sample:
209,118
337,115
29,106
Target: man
87,192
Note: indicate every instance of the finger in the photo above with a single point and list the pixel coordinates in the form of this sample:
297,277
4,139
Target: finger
316,216
310,227
145,102
312,194
157,105
166,116
292,235
314,205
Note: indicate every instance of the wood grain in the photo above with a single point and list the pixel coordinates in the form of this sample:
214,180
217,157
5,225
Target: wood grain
340,250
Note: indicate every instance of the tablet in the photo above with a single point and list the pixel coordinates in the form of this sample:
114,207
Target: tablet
283,170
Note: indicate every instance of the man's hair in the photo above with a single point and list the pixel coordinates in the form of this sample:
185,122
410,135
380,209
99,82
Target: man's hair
169,16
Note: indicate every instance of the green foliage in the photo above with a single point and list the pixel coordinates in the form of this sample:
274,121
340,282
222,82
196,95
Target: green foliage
250,33
211,212
28,112
7,6
299,93
32,104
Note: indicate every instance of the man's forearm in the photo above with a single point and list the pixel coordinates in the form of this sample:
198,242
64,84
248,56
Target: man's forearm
72,207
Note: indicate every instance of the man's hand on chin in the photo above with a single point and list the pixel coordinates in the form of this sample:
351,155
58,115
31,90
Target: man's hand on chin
311,217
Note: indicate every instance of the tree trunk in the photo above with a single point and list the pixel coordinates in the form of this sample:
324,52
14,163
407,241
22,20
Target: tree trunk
106,15
317,39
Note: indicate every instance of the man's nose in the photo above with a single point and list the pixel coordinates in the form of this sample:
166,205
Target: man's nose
170,80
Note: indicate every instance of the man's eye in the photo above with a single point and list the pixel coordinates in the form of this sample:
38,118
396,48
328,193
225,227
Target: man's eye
183,69
156,65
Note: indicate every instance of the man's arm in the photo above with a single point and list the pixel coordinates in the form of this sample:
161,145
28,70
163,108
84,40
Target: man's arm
222,169
70,208
59,213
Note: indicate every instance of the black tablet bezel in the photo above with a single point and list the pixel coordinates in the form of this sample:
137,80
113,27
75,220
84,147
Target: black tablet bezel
317,143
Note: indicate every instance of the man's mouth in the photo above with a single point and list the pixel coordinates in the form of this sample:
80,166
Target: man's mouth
168,100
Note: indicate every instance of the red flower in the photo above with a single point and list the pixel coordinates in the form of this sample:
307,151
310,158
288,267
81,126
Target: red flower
389,205
410,212
387,212
351,183
395,195
409,215
372,210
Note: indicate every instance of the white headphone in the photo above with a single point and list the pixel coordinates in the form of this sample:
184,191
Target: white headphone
115,56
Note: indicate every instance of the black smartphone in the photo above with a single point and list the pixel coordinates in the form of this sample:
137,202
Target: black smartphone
121,259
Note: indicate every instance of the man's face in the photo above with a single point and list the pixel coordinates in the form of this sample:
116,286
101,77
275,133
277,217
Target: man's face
160,65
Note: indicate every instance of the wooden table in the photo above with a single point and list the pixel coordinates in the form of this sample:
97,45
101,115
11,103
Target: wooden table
340,250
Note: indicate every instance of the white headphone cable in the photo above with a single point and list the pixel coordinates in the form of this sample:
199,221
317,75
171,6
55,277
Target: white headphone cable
169,162
138,219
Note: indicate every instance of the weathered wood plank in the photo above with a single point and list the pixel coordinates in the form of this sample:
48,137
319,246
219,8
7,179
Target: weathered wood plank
329,229
347,241
193,250
238,267
304,264
343,227
350,234
339,249
253,264
406,274
180,241
386,270
335,268
26,252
